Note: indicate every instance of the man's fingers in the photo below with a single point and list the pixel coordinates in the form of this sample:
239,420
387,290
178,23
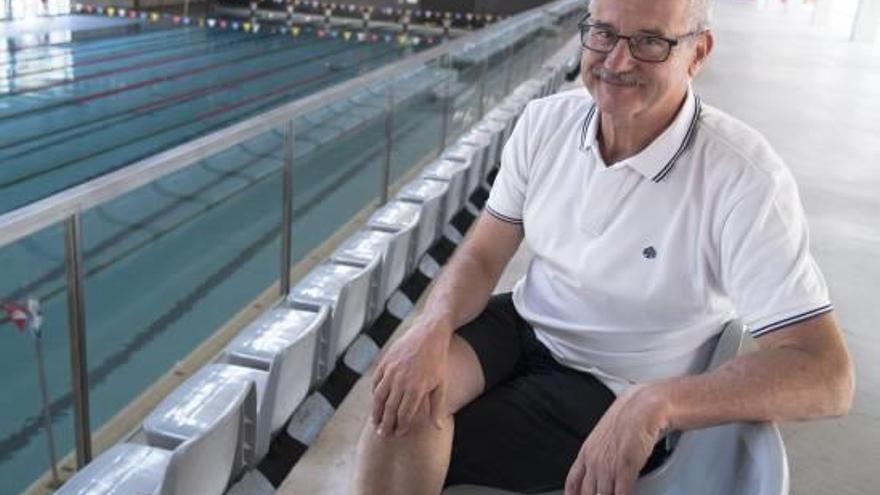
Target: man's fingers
378,375
625,481
389,416
437,404
604,483
575,478
588,484
408,406
380,398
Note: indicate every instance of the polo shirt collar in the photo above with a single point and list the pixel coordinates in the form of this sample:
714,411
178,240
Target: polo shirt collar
658,159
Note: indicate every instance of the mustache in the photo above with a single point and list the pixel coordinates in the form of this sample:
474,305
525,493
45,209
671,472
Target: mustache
615,77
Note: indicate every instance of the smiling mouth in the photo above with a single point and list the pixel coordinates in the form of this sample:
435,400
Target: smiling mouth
620,84
614,79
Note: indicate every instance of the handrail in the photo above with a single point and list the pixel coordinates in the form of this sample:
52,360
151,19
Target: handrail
24,221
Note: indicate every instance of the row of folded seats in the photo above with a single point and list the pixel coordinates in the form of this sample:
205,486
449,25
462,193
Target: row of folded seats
220,422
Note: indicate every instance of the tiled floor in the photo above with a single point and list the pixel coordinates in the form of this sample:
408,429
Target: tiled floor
817,99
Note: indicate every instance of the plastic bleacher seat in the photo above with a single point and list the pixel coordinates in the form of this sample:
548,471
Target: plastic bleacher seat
492,154
430,195
345,289
194,406
402,220
731,459
496,130
201,464
365,246
456,175
480,144
470,150
504,116
280,346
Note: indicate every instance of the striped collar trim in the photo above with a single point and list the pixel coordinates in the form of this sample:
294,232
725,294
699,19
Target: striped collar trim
587,126
658,159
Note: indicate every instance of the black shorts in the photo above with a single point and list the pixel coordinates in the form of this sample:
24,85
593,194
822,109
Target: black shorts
526,429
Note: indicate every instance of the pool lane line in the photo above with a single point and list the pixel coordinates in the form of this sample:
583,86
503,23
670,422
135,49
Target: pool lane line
74,64
9,444
101,41
74,161
138,108
266,94
141,84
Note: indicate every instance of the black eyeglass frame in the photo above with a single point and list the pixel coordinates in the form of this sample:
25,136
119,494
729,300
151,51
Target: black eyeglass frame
583,26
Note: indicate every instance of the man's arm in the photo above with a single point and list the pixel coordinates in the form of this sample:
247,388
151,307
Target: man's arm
800,372
412,370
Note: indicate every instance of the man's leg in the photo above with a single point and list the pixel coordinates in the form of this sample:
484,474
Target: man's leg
417,462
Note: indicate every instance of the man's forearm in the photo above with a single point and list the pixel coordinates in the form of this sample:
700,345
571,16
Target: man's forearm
778,383
459,293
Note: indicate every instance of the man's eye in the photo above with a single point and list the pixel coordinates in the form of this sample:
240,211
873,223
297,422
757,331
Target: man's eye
603,33
651,42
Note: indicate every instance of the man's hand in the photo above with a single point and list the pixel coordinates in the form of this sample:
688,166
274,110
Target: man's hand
612,456
413,370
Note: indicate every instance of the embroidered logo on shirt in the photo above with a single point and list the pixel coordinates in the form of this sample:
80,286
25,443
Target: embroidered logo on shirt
649,253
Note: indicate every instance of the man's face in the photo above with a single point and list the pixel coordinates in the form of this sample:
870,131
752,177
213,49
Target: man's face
625,87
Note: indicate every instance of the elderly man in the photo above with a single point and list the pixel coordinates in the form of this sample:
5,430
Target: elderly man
653,219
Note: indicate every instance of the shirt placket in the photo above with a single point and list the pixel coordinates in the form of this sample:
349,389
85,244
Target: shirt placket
606,193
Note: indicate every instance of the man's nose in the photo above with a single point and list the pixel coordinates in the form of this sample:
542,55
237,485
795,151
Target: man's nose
619,58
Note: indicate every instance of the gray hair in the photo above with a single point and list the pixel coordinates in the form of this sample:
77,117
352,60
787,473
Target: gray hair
700,14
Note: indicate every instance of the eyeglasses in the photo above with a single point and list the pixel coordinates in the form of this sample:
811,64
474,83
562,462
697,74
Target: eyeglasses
644,47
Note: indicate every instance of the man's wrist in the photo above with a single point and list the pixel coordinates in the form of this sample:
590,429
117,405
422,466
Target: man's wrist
658,401
434,324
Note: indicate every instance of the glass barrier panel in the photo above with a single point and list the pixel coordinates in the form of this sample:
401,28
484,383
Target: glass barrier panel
33,268
168,264
466,90
496,82
340,151
419,105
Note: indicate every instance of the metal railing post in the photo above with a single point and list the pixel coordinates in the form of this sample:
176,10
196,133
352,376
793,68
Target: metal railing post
447,97
77,326
484,73
508,54
287,209
385,176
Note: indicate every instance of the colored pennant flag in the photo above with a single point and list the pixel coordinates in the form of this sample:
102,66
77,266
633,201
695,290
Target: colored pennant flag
24,316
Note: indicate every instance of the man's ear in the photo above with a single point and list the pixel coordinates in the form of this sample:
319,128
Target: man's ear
703,48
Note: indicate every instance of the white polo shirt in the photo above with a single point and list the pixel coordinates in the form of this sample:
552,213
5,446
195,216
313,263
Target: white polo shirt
639,263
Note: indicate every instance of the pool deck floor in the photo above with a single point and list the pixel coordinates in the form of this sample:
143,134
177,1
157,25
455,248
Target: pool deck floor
816,97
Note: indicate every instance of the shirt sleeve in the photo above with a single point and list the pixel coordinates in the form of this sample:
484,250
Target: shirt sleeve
507,198
767,268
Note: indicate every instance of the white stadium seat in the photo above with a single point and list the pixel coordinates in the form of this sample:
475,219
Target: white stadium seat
282,344
430,195
345,288
401,219
365,246
202,464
